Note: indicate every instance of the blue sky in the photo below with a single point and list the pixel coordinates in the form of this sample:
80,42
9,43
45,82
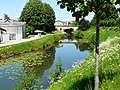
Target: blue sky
13,9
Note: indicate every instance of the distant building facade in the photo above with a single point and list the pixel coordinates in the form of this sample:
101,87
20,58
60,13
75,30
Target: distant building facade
61,23
12,30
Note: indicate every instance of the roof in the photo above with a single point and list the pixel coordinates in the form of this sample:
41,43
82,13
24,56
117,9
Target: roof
64,22
11,23
59,21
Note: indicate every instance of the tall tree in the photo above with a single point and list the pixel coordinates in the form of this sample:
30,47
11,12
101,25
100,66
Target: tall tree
37,15
81,8
6,17
48,18
106,20
32,13
84,24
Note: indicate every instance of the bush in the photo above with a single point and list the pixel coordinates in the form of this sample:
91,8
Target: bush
78,34
57,73
30,29
84,24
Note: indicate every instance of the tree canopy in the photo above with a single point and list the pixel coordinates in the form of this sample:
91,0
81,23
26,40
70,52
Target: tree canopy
48,18
84,24
81,8
37,14
105,20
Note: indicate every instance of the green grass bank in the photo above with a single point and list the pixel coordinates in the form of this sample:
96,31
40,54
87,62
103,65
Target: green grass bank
8,51
82,77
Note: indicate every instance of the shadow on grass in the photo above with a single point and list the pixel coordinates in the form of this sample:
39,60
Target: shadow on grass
88,83
84,84
108,76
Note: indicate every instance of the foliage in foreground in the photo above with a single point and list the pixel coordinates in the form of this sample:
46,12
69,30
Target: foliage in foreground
82,77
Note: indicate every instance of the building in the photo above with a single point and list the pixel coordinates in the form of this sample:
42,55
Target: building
12,30
1,32
61,23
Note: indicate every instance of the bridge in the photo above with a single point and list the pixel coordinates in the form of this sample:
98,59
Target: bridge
63,27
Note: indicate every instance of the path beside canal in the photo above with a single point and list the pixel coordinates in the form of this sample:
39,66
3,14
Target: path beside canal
11,42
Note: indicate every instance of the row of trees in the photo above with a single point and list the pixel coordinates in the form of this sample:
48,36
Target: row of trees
105,21
82,23
38,15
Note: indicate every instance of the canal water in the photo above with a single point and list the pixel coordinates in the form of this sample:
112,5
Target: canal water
29,71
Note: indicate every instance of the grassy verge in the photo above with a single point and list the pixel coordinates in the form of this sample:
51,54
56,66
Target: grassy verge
105,33
29,46
82,77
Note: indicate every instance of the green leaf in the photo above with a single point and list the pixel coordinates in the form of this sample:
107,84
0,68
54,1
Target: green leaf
113,1
85,3
80,8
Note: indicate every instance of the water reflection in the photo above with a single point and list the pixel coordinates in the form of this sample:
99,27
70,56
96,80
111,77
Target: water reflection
31,67
83,45
27,71
40,62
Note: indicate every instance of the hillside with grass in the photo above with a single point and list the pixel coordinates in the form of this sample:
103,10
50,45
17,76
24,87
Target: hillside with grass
82,77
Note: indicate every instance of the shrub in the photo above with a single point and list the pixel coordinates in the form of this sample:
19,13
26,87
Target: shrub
30,29
57,73
78,34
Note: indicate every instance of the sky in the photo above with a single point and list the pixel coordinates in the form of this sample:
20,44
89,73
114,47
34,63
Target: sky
13,9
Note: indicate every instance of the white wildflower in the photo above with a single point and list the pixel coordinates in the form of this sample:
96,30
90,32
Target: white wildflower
80,74
112,81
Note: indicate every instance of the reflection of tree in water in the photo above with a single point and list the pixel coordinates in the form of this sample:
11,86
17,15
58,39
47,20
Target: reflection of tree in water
34,68
26,82
40,63
83,45
70,37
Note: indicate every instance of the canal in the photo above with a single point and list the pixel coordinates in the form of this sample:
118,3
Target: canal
32,69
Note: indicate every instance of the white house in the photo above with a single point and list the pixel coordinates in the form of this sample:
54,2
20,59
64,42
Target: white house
61,23
12,30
